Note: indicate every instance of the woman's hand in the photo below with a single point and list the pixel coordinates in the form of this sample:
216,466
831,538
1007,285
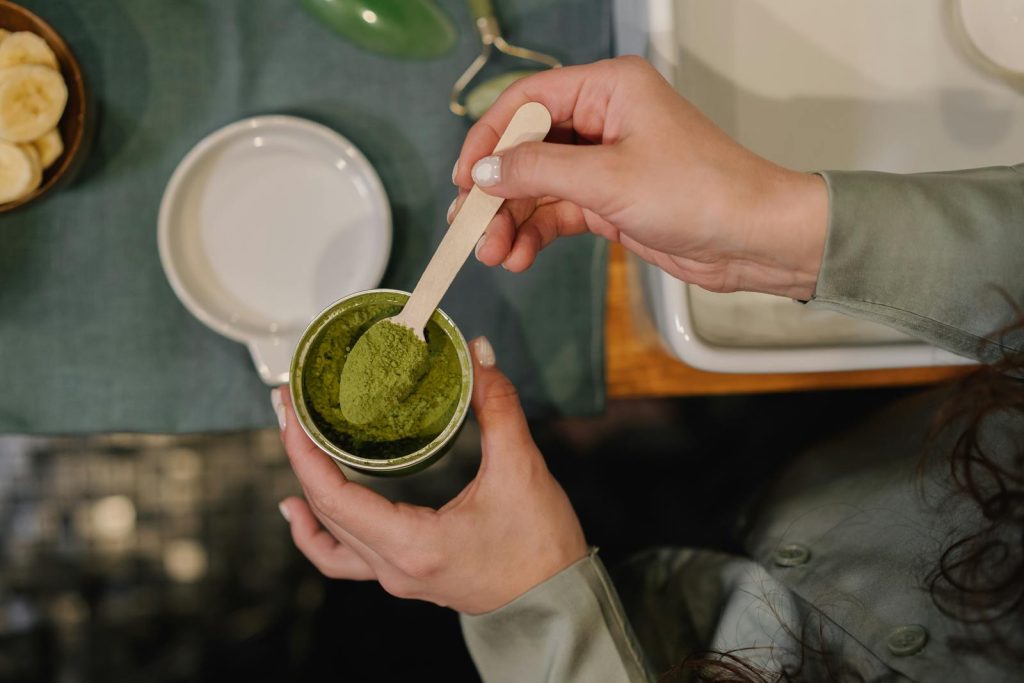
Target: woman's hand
510,529
647,170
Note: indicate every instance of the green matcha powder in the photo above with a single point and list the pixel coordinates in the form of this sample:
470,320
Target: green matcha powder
404,426
382,369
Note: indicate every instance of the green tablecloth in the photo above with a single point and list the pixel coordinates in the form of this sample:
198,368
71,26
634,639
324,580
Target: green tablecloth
91,336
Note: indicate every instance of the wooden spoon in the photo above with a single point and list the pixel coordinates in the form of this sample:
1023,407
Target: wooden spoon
531,122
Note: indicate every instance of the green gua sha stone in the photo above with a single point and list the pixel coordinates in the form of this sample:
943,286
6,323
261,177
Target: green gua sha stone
382,369
413,29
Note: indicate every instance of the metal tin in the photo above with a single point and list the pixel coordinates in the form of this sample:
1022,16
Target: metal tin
410,462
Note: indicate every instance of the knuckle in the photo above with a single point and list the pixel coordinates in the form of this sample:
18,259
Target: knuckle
420,565
323,505
502,222
326,501
501,395
332,572
398,586
525,161
634,64
320,565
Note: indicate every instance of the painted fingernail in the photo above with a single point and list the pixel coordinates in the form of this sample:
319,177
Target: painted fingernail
275,400
455,171
284,512
480,245
450,216
484,353
487,171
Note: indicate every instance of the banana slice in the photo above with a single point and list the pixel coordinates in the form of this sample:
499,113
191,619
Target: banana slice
25,47
32,100
50,147
37,164
20,172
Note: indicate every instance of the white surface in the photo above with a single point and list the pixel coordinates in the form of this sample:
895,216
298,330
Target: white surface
814,85
996,28
874,84
267,221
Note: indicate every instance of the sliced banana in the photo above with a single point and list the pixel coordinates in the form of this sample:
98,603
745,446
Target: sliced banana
20,172
50,147
32,100
37,164
25,47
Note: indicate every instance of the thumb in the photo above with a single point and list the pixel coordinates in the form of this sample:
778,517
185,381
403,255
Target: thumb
503,425
584,175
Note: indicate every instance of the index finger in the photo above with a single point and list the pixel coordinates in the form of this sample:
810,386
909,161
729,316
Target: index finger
366,515
576,94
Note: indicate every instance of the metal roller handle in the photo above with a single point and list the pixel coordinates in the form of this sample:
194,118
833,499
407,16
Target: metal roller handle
486,21
490,35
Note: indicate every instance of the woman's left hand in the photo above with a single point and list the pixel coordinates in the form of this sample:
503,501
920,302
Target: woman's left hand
510,529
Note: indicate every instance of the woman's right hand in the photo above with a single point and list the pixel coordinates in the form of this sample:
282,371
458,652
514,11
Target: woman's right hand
650,171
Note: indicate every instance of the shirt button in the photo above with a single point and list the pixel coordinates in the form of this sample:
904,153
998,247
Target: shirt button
907,640
792,555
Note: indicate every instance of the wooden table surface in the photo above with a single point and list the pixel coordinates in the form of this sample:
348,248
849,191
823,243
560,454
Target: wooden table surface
638,365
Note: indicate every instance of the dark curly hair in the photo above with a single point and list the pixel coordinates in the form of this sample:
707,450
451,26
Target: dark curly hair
980,577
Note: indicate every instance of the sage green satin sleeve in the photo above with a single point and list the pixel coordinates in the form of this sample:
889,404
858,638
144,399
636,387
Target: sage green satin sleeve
931,254
569,629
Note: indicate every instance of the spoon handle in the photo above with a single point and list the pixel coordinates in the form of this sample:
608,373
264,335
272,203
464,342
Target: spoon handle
530,123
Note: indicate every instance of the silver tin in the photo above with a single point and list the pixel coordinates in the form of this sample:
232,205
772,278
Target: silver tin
410,462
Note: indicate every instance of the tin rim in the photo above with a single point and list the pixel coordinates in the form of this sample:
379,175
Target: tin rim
410,461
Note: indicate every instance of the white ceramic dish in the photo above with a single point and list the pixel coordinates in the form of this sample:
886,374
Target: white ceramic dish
264,223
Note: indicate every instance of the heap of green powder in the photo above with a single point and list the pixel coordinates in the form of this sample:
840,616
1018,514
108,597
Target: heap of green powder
382,369
414,422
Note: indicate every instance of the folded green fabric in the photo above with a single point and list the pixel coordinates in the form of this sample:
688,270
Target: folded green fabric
91,336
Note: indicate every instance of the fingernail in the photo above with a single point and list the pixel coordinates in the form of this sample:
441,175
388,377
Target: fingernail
480,245
451,211
487,171
455,171
275,400
484,353
284,512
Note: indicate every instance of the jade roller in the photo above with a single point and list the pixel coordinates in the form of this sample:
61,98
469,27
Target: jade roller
482,96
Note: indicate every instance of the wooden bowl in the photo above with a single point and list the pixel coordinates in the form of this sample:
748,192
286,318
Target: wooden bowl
72,124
